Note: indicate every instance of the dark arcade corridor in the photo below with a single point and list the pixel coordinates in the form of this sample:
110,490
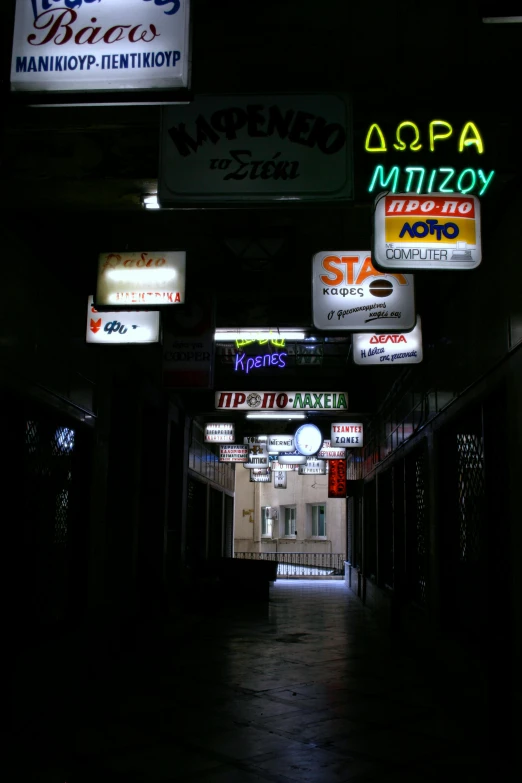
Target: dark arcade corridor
308,688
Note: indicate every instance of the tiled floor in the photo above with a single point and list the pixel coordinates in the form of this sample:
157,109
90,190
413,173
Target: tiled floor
305,689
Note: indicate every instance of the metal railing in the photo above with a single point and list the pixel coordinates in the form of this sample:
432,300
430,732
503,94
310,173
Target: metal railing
292,564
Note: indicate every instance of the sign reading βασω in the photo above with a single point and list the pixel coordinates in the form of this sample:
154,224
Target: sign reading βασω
62,46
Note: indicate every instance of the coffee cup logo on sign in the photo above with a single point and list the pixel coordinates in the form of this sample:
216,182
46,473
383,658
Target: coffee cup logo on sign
350,294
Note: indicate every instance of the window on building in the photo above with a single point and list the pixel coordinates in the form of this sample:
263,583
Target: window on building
266,523
290,521
318,521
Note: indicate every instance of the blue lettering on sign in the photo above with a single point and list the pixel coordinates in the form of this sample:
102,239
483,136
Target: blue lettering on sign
265,360
421,229
115,327
44,5
174,3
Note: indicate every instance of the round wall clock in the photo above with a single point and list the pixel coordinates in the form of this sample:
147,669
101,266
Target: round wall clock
308,439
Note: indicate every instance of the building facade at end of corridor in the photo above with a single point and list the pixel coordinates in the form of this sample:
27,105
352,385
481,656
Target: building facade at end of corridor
300,518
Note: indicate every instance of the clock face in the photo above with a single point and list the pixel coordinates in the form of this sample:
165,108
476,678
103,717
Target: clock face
308,439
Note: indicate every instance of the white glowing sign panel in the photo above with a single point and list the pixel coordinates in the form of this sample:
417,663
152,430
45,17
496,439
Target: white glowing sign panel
260,478
435,231
141,279
327,451
256,148
277,466
122,327
291,459
262,400
278,443
100,45
255,439
219,432
257,456
233,453
280,479
313,467
347,435
348,294
388,348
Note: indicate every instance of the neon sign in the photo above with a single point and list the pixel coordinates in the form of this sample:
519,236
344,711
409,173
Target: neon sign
279,343
241,361
420,179
467,180
469,136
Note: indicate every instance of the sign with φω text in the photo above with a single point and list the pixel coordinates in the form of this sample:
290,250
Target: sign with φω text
149,279
244,149
434,231
122,327
262,400
348,293
97,46
389,348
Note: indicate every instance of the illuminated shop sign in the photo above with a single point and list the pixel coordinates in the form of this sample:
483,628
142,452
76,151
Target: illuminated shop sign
100,45
347,434
293,458
219,432
313,467
387,349
327,451
410,139
233,453
141,279
337,478
255,439
260,339
427,232
248,400
261,478
280,443
280,479
260,148
276,466
348,293
257,456
246,364
121,327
